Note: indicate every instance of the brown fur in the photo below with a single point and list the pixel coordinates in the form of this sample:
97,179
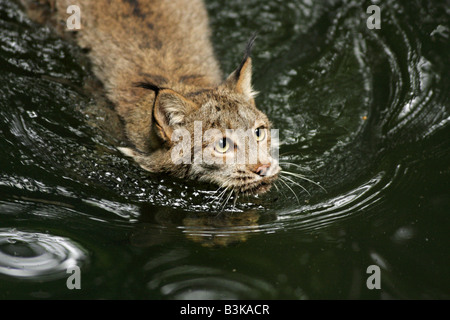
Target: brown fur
164,43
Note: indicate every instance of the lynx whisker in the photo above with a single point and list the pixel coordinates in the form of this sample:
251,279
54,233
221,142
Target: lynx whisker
279,188
296,165
295,195
276,187
214,196
226,200
235,200
297,175
218,199
298,184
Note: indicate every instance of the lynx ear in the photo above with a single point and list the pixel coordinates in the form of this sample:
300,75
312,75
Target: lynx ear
170,111
241,79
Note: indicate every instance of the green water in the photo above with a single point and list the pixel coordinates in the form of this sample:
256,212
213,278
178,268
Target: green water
364,112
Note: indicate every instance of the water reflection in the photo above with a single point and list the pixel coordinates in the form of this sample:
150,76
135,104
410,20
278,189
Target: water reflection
160,225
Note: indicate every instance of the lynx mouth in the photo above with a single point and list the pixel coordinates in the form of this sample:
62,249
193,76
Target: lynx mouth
257,187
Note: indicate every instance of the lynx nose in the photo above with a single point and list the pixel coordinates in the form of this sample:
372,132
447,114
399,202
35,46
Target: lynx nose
262,169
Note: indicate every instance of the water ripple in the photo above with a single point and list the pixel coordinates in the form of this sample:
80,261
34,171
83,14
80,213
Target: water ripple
201,282
37,256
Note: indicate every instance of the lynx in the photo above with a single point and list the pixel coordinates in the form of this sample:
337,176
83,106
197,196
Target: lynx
158,68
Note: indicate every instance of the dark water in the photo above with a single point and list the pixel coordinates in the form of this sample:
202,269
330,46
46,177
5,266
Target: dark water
366,113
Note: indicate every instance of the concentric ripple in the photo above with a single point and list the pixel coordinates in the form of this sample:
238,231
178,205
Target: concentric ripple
176,280
37,256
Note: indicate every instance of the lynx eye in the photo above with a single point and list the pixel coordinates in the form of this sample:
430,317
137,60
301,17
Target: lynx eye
260,134
223,145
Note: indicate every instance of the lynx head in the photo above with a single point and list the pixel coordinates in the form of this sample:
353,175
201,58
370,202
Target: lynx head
216,135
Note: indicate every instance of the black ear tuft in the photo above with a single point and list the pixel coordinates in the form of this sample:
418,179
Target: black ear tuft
148,86
247,53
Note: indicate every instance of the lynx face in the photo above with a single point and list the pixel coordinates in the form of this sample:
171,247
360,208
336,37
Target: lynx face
235,144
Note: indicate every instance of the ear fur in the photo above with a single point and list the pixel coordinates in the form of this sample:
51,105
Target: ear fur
241,79
128,152
170,111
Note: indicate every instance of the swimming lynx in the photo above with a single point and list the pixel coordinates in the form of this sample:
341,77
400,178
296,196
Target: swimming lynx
157,66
